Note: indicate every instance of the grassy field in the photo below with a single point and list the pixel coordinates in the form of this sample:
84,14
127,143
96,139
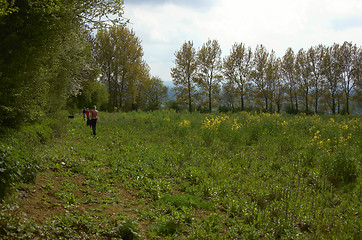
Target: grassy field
167,175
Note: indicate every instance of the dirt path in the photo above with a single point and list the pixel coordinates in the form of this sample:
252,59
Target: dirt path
54,195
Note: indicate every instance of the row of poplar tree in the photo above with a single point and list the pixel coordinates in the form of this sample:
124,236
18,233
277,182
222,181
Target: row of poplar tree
321,78
61,55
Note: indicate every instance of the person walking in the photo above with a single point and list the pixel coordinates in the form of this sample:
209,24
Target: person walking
88,120
94,118
84,115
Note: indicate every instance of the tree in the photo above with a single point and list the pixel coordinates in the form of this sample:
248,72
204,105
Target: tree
237,69
184,72
315,57
7,7
260,61
288,74
91,92
43,49
358,74
275,87
119,55
155,93
210,66
303,77
229,95
350,64
332,74
97,14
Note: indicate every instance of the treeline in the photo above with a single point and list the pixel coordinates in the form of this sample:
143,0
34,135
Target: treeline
320,79
51,61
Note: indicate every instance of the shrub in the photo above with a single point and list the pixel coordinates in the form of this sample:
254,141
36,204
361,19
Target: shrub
17,159
340,168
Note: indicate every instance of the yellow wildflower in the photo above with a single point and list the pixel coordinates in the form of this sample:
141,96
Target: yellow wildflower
184,123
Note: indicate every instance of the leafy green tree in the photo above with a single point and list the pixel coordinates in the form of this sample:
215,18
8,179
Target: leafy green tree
303,77
350,63
96,14
155,93
260,62
91,92
288,74
184,72
332,73
237,69
275,85
43,48
119,55
315,57
7,7
358,75
209,70
229,95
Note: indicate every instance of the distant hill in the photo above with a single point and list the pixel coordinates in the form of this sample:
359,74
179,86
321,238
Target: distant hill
170,86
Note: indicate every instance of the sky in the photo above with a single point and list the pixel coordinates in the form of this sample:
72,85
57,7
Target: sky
164,25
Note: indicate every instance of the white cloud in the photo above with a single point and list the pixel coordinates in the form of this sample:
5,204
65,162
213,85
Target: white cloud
277,24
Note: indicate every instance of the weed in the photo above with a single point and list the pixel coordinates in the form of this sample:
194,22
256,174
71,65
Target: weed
195,176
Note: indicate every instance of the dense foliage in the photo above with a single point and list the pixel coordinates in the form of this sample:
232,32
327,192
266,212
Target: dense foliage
197,176
45,54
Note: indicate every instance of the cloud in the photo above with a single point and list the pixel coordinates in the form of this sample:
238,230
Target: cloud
164,25
198,4
346,23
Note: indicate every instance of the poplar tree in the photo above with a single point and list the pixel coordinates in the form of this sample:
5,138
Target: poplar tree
184,73
275,87
332,73
209,70
350,63
315,57
237,70
303,77
288,74
260,61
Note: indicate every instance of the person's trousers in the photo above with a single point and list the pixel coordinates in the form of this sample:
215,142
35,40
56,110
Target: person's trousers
94,124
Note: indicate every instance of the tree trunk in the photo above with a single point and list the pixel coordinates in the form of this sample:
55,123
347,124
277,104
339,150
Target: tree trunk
210,99
347,102
242,102
189,88
338,105
306,102
333,104
296,103
266,103
291,99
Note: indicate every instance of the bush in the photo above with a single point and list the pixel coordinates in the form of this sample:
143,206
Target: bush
17,160
224,109
173,105
340,168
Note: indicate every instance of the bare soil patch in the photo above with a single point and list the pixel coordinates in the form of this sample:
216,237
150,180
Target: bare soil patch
42,201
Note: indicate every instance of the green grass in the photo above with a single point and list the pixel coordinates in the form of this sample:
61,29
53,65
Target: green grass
197,176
